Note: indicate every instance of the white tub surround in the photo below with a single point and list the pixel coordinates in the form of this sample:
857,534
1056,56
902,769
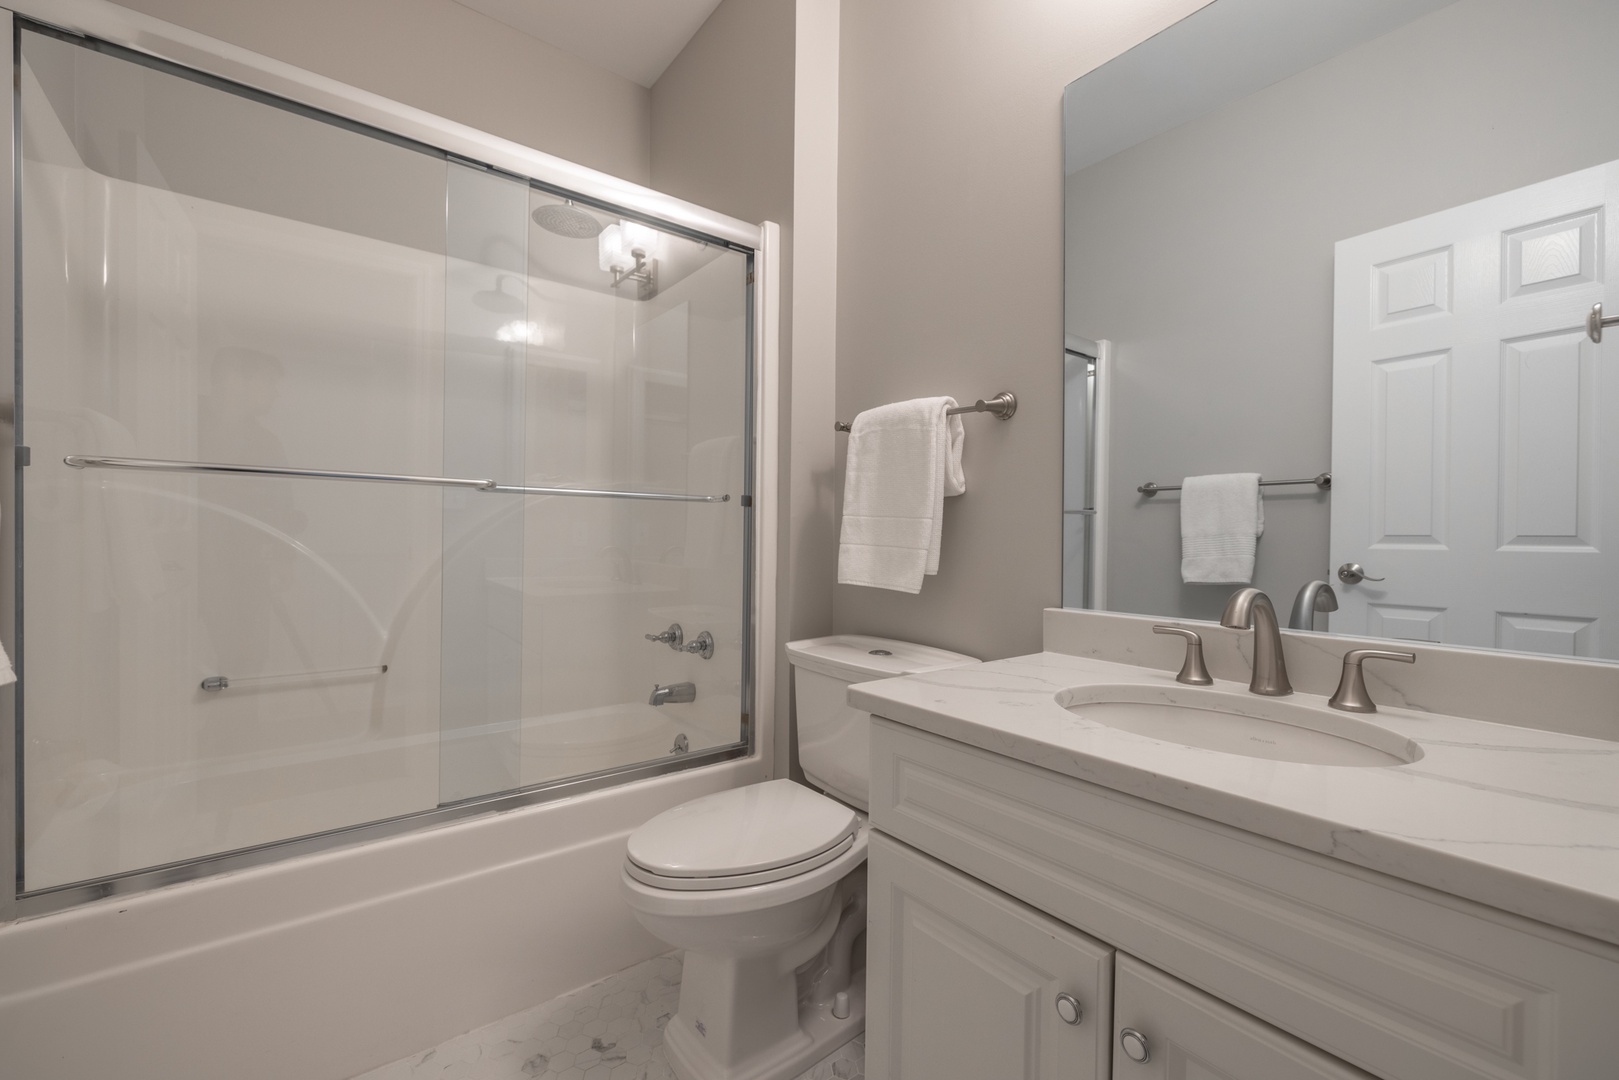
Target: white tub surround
1519,819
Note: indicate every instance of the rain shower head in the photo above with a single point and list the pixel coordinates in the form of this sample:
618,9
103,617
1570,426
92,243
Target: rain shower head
499,300
566,219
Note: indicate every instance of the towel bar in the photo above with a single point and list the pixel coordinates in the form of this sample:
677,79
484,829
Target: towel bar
1002,405
1322,481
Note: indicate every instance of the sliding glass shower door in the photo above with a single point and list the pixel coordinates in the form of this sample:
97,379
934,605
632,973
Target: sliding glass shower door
226,643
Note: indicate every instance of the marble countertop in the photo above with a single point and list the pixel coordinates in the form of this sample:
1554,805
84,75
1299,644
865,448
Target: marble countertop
1516,818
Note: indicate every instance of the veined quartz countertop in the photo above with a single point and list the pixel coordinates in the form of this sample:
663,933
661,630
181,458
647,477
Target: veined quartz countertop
1516,818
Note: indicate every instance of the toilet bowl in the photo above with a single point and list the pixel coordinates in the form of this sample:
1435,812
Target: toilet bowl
764,886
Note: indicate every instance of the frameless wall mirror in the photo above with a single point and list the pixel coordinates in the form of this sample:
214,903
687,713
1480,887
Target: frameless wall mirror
1359,238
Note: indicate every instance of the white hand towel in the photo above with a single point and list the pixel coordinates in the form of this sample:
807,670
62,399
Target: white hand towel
903,460
1222,517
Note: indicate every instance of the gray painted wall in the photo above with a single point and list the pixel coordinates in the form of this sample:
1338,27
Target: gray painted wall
723,134
448,60
950,278
1205,255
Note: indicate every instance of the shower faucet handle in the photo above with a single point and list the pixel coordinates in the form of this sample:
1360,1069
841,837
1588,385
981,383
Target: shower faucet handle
702,645
673,637
1192,672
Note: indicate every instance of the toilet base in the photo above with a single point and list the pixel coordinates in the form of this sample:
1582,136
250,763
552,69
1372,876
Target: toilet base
819,1034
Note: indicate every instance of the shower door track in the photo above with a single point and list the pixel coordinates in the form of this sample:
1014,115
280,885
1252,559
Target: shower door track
81,461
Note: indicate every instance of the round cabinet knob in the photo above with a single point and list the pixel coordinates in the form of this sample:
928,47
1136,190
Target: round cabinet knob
1069,1008
1353,573
1135,1046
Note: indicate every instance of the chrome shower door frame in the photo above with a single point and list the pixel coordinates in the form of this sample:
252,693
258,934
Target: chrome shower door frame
242,71
10,495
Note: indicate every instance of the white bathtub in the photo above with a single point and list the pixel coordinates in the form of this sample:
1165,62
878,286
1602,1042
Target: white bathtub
590,740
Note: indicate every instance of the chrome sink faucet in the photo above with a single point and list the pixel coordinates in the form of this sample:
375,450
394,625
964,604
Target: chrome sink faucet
1250,608
1315,596
673,694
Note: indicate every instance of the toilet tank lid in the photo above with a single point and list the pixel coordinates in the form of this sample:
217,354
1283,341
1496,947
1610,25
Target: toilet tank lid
742,831
859,658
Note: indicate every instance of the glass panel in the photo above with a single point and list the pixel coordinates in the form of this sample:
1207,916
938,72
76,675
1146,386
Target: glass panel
486,316
207,278
640,385
216,662
1079,410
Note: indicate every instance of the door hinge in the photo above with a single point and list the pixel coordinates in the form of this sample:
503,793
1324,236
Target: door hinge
25,456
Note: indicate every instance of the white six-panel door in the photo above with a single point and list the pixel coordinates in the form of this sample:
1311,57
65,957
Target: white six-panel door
1474,423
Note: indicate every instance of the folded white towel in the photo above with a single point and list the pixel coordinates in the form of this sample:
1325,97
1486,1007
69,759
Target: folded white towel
1222,517
903,460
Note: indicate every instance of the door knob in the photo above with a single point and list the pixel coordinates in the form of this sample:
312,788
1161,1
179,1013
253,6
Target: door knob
1353,573
1069,1008
1134,1045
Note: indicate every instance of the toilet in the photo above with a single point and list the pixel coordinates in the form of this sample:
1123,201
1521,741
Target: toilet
764,886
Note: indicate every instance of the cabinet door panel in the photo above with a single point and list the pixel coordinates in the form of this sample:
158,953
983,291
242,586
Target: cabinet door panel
1192,1036
964,981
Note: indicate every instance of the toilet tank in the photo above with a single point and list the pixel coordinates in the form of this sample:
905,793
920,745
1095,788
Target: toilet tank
834,740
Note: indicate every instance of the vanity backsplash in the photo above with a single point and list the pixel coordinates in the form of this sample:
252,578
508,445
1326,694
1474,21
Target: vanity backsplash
1575,697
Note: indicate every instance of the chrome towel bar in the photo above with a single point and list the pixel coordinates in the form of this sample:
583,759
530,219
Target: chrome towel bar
215,683
79,461
1002,405
1322,481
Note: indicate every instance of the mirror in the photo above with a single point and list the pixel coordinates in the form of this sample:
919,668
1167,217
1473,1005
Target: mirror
1358,238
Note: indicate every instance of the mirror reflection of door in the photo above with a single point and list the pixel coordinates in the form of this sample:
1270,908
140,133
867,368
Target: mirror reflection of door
1469,407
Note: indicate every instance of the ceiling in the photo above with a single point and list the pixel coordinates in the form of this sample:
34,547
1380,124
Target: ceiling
633,38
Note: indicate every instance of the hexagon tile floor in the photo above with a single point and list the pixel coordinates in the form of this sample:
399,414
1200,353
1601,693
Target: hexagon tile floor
611,1030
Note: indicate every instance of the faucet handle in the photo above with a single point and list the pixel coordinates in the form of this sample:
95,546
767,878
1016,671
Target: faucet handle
672,637
1351,695
1193,672
701,645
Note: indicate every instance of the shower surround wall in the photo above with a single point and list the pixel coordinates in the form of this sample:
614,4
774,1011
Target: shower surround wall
326,965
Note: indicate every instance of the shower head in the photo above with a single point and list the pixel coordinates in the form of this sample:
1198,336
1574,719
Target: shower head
566,219
499,300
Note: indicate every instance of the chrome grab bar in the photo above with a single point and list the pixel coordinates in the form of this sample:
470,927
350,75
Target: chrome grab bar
589,493
79,461
215,683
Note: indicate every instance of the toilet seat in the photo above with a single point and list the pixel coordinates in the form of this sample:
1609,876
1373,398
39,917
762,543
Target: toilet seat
738,881
745,836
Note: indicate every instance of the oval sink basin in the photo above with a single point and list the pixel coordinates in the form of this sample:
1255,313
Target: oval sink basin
1276,729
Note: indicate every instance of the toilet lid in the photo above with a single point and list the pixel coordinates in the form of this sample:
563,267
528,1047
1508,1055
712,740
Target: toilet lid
743,831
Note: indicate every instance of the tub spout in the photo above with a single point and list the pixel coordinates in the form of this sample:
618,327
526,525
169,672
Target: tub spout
673,694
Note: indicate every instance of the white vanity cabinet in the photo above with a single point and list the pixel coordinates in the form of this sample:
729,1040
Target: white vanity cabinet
994,883
1166,1030
971,983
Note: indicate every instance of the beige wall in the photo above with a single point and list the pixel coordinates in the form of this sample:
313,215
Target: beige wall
729,121
448,60
950,277
811,562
